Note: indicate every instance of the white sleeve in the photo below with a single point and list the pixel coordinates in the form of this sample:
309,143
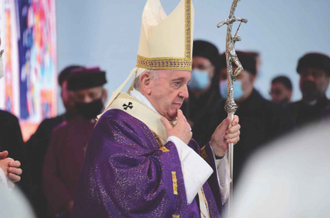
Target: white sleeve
223,176
3,179
195,169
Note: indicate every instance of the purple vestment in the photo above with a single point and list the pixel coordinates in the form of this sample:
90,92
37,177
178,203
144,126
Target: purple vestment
125,174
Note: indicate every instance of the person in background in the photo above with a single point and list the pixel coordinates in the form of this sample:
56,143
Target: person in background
36,147
281,90
69,140
203,87
314,71
256,55
261,120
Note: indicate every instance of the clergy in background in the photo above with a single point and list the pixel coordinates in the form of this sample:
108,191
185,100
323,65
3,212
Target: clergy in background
66,151
141,160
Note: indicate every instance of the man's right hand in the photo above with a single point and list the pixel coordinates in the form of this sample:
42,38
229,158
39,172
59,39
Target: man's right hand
182,129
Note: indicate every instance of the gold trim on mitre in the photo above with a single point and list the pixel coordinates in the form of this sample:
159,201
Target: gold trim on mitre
166,41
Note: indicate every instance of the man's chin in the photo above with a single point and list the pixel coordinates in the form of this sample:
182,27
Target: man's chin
172,115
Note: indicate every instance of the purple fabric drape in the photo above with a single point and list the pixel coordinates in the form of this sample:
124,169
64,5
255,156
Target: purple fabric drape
125,174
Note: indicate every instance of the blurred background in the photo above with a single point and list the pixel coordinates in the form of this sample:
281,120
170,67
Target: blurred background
41,37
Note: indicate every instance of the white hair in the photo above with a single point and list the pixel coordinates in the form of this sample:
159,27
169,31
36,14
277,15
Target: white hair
152,73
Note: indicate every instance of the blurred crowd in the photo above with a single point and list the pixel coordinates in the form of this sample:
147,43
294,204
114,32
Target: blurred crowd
53,156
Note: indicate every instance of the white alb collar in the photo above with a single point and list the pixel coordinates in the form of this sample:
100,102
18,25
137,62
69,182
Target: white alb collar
139,96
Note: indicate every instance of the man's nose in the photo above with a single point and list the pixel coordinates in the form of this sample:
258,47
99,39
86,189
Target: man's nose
184,93
87,99
309,77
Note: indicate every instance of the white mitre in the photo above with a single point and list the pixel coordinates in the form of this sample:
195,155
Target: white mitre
165,41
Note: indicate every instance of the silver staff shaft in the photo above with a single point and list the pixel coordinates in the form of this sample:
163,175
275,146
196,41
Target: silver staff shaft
231,166
231,107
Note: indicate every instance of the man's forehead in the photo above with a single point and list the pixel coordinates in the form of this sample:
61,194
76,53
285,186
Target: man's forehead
312,69
175,74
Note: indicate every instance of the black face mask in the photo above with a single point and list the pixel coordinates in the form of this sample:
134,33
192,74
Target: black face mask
90,110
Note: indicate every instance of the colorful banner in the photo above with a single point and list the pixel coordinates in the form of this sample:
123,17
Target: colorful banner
37,59
28,33
9,88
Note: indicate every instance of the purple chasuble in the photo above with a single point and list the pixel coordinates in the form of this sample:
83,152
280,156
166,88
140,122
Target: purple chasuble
64,160
126,174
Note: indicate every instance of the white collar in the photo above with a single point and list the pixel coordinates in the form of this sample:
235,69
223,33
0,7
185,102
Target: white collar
140,97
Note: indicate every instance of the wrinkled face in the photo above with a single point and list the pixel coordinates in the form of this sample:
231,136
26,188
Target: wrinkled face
169,91
313,83
88,95
246,78
67,98
280,93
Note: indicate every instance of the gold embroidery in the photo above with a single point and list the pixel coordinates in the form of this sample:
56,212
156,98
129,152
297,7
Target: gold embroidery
172,63
164,149
205,202
188,29
175,183
204,155
176,216
157,139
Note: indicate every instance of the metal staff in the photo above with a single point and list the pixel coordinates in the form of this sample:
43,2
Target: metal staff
231,107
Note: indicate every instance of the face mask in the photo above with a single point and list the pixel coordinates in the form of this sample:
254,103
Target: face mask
238,92
199,79
90,110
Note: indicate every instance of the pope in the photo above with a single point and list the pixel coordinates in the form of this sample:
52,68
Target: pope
141,160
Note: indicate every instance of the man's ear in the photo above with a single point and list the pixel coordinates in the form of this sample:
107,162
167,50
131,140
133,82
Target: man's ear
145,83
105,96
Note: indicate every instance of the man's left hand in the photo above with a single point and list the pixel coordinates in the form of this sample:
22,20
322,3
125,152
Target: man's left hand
223,135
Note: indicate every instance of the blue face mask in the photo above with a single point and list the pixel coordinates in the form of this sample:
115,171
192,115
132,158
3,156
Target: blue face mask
238,92
199,79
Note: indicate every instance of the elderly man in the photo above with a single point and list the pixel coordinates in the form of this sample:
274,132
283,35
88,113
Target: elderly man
141,160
